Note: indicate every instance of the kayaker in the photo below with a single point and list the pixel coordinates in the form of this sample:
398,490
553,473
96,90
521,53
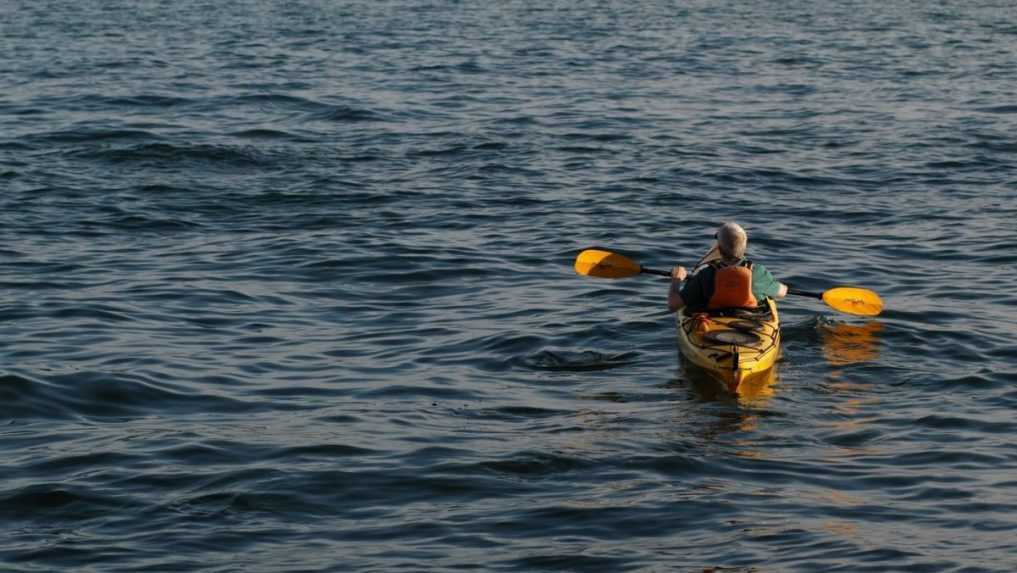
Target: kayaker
729,280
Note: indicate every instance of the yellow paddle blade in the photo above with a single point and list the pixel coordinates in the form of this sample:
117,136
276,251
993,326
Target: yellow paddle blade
605,264
860,301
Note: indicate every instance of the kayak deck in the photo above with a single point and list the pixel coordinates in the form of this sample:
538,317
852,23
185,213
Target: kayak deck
733,345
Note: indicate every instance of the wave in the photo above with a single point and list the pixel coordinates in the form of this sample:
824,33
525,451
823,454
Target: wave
577,361
169,153
100,395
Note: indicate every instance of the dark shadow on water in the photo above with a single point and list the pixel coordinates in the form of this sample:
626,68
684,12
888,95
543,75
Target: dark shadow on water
577,361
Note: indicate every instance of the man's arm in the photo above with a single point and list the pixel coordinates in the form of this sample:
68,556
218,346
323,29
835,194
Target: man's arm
674,299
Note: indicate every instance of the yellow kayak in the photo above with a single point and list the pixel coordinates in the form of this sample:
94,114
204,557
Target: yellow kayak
733,345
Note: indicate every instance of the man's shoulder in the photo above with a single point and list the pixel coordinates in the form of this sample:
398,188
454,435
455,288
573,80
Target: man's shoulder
695,285
703,275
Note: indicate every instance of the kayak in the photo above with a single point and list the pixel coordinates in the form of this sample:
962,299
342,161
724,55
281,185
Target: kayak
734,345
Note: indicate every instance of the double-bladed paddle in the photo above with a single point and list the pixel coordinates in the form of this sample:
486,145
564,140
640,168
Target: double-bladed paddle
608,265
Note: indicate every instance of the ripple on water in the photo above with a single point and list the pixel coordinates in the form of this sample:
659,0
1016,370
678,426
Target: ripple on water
99,395
576,361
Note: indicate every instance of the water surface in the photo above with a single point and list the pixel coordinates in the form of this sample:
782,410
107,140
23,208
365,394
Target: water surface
289,287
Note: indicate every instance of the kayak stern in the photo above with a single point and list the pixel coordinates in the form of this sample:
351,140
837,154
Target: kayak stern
732,346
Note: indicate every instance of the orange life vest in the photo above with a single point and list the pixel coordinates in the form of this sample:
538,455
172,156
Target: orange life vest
732,286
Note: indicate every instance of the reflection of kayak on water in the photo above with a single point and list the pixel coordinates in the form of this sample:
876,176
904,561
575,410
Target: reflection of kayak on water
754,390
732,344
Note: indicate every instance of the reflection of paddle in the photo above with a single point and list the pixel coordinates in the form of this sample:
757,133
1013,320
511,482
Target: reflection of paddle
608,265
845,344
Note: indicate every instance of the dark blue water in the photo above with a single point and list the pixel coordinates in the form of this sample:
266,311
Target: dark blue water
288,286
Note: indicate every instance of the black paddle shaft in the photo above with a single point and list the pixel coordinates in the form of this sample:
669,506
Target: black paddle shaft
793,290
654,272
790,289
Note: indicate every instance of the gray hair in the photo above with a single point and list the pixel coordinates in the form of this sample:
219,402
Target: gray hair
732,240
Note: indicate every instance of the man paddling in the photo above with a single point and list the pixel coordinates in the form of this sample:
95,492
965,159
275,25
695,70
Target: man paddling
727,279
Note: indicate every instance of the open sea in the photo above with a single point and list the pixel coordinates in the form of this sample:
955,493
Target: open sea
288,286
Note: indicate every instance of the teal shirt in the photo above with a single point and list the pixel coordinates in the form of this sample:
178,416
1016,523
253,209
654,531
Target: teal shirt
698,288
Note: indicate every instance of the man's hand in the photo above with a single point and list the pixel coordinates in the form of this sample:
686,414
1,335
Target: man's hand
679,273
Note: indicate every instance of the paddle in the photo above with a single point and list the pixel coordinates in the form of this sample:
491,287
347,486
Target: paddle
850,300
608,265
